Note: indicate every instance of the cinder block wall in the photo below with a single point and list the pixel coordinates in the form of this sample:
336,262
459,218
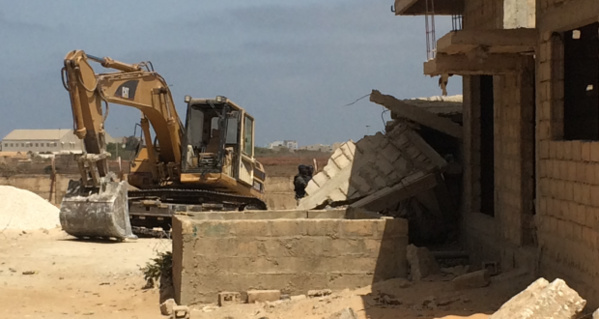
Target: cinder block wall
292,255
496,238
568,171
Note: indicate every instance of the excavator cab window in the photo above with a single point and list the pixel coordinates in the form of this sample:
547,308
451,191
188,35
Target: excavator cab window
212,134
248,136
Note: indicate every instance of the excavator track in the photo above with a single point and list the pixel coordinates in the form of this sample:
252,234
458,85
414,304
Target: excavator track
154,208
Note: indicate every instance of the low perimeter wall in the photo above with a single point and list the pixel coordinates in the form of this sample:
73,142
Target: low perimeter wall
292,251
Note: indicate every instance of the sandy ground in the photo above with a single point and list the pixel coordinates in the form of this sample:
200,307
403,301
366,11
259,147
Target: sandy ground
75,279
83,279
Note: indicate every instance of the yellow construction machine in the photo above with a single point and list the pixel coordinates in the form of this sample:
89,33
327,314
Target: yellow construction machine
206,164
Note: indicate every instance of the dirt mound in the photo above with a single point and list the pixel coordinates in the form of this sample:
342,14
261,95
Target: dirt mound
23,210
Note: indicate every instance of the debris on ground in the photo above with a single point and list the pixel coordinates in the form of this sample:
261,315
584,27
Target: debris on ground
543,300
24,210
475,279
347,313
319,293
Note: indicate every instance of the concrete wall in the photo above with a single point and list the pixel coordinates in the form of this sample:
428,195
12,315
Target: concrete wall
40,184
289,254
568,171
498,238
279,192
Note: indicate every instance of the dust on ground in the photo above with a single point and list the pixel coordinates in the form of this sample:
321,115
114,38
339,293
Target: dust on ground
48,274
396,298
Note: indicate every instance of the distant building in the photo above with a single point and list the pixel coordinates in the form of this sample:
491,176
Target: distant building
44,141
317,148
290,144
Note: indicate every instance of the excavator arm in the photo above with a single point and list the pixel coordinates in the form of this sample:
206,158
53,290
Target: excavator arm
131,85
96,205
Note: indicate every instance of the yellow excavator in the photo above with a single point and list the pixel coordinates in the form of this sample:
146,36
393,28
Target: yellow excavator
205,164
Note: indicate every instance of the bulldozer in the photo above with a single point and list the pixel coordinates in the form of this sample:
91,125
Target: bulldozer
206,163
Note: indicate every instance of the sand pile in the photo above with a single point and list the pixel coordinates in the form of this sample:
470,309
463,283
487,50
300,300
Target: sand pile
24,210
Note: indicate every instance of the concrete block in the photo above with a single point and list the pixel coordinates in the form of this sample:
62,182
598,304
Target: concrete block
476,279
323,227
342,161
331,170
349,149
421,262
586,151
320,179
333,213
543,300
166,308
263,295
253,228
180,312
226,298
357,228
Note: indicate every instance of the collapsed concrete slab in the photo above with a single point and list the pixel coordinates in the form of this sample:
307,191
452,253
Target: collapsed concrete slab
542,300
412,110
381,165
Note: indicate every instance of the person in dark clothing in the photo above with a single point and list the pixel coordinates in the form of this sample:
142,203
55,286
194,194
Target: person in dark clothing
300,181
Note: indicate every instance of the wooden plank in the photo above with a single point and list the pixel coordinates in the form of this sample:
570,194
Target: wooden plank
417,114
494,41
478,65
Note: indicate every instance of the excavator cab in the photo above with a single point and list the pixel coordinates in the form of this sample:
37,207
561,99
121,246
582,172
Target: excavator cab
219,147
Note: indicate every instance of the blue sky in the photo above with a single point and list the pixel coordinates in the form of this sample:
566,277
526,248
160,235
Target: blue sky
293,66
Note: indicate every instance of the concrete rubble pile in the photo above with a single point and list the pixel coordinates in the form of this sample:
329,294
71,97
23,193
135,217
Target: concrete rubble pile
543,299
410,171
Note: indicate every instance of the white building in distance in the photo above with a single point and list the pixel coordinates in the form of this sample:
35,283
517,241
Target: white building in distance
290,144
44,141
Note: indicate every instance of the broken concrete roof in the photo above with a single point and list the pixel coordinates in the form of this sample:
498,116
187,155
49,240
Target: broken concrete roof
408,109
440,105
375,163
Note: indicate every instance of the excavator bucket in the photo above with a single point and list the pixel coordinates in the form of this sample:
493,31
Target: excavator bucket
102,212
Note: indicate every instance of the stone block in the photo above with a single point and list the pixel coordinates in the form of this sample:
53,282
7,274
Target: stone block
421,262
263,295
226,298
357,228
323,227
166,308
476,279
180,312
543,300
253,228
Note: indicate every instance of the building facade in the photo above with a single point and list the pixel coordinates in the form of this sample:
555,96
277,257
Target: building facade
43,141
530,73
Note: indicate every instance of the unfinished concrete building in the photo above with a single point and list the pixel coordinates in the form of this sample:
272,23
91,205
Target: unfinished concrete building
530,72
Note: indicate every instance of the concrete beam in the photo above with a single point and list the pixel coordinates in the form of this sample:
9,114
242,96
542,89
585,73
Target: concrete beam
568,16
417,114
490,64
418,7
391,196
493,41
